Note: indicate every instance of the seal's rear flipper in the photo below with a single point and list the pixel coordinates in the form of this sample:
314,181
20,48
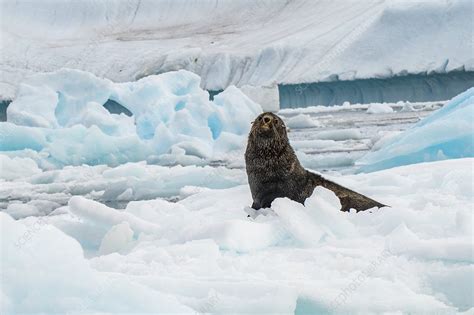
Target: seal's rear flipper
349,198
358,202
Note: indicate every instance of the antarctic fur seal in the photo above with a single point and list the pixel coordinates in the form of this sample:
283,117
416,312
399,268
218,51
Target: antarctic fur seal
274,171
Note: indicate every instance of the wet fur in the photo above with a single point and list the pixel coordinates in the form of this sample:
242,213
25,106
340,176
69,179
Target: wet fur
274,171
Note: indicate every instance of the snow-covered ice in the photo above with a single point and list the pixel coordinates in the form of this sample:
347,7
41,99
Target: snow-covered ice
448,133
202,253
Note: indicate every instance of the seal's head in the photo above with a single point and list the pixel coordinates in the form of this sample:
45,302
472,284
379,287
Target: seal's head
268,130
268,125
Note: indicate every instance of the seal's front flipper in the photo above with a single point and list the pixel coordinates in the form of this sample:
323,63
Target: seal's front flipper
256,205
251,212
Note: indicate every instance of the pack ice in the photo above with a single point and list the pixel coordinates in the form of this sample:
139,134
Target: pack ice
60,116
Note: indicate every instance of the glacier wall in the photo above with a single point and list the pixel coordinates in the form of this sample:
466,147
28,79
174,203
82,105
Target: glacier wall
414,88
238,42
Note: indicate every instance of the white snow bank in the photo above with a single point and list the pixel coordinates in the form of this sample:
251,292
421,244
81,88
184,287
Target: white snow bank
412,257
304,41
448,133
61,116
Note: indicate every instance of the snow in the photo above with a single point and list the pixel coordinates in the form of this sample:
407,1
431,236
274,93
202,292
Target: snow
256,44
203,254
446,134
60,115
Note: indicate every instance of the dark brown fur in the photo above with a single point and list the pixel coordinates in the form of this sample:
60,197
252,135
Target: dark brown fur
274,171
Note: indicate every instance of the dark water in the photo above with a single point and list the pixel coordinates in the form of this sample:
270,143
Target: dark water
3,109
213,93
115,108
413,88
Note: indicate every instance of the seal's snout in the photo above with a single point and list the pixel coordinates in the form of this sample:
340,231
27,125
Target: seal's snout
266,125
266,121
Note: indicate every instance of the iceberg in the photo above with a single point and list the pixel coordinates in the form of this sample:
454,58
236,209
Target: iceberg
62,115
446,134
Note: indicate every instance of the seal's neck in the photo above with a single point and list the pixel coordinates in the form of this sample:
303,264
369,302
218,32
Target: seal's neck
268,146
